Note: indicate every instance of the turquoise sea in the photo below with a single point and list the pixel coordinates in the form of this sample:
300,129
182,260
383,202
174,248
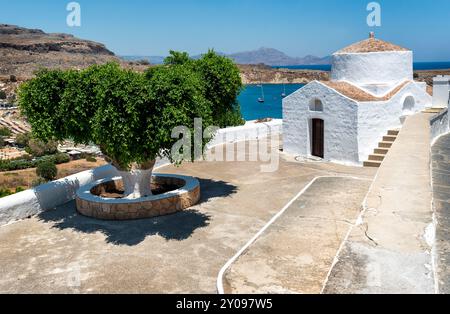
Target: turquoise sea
271,108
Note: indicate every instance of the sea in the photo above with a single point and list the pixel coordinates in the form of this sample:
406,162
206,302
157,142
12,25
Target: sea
272,107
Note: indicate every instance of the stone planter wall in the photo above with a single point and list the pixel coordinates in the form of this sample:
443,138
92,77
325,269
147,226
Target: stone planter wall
91,205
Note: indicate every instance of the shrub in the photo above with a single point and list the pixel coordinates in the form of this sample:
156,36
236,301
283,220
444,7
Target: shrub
5,192
91,159
26,162
2,94
23,139
61,158
12,78
19,189
47,170
5,132
38,181
39,148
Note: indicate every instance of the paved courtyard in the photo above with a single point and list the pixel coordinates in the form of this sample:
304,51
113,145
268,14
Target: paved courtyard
61,251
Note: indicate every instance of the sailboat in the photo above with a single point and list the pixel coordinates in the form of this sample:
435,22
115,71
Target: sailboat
283,94
262,98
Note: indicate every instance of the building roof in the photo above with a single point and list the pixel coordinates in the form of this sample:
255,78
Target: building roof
371,45
354,92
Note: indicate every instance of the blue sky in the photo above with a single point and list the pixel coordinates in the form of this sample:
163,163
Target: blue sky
297,27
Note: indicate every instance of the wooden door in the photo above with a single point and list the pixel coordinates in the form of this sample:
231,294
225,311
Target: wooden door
318,138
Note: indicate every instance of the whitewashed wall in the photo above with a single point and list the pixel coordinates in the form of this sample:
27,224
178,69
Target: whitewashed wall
340,119
441,90
376,118
48,196
250,131
372,68
440,125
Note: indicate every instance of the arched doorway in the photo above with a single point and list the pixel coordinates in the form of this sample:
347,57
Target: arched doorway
318,138
408,105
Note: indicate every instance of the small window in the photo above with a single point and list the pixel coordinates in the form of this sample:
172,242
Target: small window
316,105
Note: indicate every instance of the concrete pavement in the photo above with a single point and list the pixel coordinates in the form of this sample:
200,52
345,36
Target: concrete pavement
62,252
388,252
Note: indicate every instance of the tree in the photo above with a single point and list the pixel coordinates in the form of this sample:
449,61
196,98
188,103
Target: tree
47,170
129,115
223,85
177,58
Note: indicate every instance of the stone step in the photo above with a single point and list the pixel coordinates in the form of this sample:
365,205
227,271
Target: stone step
372,164
393,132
389,138
381,151
377,157
385,144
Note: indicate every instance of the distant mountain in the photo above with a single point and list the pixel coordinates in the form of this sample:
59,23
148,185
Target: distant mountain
268,56
151,59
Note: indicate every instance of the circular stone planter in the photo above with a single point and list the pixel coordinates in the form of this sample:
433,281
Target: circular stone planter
89,203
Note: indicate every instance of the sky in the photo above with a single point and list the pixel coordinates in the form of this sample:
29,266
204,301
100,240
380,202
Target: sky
296,27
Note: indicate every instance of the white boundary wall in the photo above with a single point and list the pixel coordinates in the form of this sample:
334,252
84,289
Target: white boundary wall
440,125
56,193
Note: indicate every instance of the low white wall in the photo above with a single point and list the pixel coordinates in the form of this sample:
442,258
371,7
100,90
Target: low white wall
439,125
48,196
56,193
250,131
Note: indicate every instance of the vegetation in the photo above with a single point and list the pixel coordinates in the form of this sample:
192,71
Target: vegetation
3,94
222,84
22,140
39,148
6,192
26,162
130,115
91,159
47,170
5,132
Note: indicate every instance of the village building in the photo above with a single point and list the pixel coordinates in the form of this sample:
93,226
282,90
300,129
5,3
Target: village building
352,117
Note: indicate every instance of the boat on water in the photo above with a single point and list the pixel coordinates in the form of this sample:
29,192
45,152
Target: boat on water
262,98
283,94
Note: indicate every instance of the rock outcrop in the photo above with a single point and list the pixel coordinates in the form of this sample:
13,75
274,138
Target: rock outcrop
23,51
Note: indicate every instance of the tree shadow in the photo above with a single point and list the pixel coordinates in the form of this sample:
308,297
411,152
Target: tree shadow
179,226
211,189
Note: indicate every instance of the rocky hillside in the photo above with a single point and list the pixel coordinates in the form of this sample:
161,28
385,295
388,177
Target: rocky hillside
22,51
256,74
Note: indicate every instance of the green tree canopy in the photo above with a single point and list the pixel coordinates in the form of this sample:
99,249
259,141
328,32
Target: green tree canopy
223,85
129,115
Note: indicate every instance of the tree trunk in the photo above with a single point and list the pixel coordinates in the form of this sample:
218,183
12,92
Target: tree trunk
137,181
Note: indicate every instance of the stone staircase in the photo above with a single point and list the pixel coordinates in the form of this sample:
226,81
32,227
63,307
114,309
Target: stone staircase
380,153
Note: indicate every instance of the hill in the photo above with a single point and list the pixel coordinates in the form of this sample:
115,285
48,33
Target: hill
22,51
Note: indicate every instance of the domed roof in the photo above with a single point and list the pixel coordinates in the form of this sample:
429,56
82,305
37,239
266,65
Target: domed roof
371,45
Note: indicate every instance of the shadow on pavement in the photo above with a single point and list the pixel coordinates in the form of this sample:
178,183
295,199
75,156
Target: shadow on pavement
178,227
